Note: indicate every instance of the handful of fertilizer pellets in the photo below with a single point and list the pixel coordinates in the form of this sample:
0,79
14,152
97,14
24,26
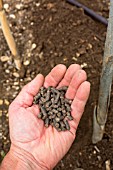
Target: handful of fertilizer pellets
55,109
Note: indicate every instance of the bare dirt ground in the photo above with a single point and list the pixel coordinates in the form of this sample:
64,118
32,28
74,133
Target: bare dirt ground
47,33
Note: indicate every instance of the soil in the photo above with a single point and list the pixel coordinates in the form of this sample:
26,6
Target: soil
47,33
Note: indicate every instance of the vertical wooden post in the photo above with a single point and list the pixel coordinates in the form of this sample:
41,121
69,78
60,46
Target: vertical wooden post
101,111
9,37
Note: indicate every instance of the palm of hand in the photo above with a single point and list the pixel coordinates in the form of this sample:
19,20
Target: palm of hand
47,145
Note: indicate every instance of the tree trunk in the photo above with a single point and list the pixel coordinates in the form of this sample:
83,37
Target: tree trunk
101,111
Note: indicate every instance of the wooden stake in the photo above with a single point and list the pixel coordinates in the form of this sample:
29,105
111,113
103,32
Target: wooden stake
8,36
101,111
1,5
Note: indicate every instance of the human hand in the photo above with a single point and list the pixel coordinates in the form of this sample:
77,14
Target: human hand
29,136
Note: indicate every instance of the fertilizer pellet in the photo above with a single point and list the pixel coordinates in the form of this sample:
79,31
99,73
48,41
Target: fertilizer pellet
43,110
67,124
57,97
57,119
57,125
64,88
55,109
46,122
62,124
70,117
63,129
40,115
48,95
53,116
59,114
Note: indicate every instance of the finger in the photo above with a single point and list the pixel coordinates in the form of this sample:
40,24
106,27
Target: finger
79,102
78,78
25,97
55,76
69,74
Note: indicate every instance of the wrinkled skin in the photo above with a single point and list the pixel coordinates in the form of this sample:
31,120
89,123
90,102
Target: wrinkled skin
27,132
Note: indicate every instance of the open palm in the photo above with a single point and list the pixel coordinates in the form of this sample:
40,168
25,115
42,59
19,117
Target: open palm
27,132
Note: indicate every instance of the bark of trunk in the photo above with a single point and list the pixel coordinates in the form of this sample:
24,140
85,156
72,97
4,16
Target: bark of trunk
101,111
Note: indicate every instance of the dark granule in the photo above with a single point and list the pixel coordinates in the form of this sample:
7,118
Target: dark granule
55,109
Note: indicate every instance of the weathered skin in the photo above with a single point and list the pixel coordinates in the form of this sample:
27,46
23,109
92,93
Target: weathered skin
32,143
